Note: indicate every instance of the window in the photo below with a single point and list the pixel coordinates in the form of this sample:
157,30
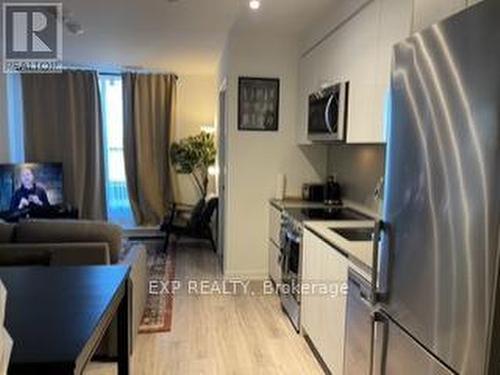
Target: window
118,204
15,117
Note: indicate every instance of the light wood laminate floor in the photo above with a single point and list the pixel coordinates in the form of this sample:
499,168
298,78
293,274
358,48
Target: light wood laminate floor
219,334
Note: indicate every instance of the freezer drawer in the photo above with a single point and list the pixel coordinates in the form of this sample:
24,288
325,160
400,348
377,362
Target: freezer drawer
396,353
359,325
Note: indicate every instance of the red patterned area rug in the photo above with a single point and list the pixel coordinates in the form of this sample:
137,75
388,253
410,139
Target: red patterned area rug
159,307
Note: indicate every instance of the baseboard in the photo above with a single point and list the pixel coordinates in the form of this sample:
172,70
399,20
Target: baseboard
247,275
315,353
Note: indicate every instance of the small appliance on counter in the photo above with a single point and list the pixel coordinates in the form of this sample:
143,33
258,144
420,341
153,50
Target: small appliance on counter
333,192
313,192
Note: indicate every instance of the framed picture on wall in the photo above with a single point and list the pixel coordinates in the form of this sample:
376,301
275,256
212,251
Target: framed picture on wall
258,103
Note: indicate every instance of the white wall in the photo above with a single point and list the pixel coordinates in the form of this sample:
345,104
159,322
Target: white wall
4,128
255,158
196,101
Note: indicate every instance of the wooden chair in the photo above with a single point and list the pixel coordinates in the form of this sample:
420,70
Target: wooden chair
190,221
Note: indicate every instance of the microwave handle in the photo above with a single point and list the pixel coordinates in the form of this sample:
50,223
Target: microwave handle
327,113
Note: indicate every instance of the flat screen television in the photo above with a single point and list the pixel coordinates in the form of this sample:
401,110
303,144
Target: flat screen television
27,184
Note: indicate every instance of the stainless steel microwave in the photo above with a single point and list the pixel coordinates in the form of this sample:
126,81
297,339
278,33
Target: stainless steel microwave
327,114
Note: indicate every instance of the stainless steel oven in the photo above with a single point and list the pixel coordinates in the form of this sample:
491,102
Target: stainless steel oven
291,246
327,114
291,250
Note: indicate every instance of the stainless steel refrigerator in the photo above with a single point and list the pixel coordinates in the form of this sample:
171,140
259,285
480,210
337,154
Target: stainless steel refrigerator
438,279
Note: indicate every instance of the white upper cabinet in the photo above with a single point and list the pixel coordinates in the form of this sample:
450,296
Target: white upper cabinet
359,51
358,46
395,26
428,12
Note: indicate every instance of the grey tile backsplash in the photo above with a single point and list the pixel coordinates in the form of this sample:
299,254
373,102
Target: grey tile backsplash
358,169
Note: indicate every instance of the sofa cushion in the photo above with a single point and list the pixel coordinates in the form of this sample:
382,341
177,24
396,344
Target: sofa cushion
67,231
6,232
28,257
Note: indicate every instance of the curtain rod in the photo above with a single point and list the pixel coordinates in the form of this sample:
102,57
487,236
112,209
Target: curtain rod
104,73
116,71
108,73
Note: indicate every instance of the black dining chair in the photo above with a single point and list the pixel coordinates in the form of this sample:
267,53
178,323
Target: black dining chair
190,221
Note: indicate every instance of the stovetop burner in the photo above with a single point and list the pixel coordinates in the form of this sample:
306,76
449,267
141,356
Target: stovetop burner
326,213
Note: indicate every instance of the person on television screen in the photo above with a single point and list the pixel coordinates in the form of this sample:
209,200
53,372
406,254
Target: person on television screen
29,194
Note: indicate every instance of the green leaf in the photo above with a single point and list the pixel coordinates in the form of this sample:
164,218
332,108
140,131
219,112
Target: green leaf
194,154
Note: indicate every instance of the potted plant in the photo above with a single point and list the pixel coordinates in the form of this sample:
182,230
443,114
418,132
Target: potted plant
194,155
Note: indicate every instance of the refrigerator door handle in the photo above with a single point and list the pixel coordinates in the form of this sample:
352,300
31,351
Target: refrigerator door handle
380,266
379,337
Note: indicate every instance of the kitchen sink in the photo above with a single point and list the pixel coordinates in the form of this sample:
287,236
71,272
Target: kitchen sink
355,234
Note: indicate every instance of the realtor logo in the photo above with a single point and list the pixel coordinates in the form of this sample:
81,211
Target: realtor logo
32,37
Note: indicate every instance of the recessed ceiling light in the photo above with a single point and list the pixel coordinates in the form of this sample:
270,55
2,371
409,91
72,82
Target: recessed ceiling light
254,4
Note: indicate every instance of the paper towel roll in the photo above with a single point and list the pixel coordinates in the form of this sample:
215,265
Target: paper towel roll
280,186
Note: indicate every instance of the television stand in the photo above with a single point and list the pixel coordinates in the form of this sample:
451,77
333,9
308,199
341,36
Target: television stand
60,211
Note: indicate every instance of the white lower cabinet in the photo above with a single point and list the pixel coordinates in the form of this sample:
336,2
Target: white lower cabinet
274,265
274,224
274,268
324,315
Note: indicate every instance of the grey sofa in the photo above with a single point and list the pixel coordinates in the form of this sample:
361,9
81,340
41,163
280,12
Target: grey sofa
76,243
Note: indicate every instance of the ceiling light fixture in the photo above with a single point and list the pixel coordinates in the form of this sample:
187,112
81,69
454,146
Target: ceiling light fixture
254,4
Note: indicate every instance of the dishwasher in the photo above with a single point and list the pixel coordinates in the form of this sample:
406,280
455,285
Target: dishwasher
359,326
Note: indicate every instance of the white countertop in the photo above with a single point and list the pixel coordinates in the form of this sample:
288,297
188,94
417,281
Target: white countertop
360,253
291,202
294,202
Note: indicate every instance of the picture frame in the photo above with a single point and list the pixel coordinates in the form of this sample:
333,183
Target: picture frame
258,104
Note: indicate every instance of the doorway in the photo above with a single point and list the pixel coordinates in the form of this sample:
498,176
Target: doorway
222,177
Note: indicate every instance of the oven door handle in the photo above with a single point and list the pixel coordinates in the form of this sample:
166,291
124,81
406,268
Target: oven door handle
283,260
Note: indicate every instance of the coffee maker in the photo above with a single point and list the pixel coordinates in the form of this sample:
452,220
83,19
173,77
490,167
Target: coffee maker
332,192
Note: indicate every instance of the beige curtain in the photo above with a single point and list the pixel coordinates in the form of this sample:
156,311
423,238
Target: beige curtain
149,113
63,124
